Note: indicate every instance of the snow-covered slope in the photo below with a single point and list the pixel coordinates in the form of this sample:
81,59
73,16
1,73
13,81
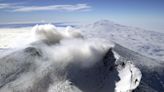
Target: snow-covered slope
65,62
148,47
152,70
145,42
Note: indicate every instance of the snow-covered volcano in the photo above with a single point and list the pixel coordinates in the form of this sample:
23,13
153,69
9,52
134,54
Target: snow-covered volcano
65,61
83,60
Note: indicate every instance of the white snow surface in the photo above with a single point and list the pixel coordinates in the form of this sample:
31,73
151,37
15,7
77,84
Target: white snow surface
130,77
56,49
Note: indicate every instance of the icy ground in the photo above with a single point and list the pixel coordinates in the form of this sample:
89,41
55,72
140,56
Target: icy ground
52,60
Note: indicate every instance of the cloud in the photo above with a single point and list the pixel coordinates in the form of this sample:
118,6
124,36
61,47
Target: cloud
66,7
4,5
9,6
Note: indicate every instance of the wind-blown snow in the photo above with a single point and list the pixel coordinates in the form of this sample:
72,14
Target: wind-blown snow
44,63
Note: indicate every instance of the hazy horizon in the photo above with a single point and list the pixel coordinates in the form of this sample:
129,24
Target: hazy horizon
146,14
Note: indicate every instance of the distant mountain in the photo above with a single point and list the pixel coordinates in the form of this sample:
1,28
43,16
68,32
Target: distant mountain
145,42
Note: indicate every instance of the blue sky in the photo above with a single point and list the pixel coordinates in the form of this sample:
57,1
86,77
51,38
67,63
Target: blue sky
148,14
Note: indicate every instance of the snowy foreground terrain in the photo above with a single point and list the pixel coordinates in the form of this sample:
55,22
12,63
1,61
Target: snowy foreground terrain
81,59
